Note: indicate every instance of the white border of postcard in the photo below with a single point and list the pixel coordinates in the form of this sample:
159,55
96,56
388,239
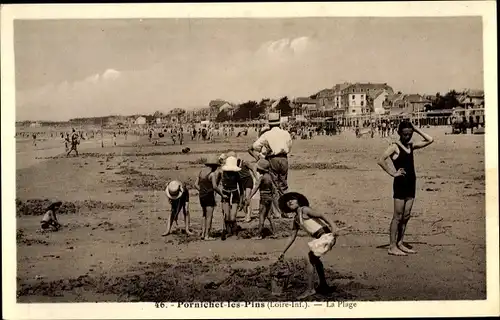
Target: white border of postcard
486,9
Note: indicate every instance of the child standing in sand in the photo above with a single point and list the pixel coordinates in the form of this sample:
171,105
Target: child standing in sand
404,186
248,175
49,220
207,184
265,185
231,200
318,226
178,195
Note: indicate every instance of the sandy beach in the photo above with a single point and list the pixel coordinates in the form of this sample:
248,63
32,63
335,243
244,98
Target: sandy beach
111,248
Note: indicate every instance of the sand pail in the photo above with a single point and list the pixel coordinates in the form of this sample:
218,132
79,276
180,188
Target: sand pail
279,284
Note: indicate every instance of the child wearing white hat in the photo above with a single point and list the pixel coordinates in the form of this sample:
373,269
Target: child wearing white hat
231,198
178,195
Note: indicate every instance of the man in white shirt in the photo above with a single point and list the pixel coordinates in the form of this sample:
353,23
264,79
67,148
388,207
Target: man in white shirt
278,144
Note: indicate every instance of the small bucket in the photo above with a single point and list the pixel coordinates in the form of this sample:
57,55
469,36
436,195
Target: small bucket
278,285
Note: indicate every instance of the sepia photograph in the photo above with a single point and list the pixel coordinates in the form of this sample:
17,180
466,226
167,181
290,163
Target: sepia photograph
312,162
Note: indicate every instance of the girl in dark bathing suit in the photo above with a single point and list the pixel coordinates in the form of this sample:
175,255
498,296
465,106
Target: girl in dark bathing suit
206,184
404,186
248,176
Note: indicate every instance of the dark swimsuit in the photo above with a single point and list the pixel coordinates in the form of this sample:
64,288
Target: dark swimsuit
404,187
230,187
207,194
246,178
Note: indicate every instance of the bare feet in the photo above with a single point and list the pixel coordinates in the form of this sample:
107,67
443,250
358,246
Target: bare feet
395,251
405,249
307,294
166,233
189,232
208,239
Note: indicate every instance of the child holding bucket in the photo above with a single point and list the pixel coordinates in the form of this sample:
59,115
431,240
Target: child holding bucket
178,196
318,226
207,185
265,185
231,198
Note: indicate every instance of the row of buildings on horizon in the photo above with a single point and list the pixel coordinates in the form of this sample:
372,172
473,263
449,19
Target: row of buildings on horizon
353,100
346,100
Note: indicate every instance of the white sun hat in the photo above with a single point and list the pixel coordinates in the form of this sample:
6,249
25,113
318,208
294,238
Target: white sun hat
231,164
174,190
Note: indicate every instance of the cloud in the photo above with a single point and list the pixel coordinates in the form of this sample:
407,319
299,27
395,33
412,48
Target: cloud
108,75
289,66
286,47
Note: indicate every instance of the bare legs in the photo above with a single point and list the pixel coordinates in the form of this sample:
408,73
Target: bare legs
264,210
402,212
248,207
173,218
226,207
208,213
314,264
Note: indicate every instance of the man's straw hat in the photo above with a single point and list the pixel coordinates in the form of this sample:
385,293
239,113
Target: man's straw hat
212,161
273,119
174,190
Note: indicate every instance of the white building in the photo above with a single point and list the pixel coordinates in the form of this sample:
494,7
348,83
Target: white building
140,120
378,101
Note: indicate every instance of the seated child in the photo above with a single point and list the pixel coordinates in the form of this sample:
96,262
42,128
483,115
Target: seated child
49,220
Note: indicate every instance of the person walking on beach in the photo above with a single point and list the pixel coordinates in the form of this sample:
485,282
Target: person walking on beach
207,185
178,196
318,226
404,186
74,143
264,184
278,144
180,135
231,198
67,141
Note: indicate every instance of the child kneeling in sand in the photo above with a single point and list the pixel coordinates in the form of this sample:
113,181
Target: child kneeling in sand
178,195
318,226
265,185
49,220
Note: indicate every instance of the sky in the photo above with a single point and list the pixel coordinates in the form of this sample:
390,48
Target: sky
79,68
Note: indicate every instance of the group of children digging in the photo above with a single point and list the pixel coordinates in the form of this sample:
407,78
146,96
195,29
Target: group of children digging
236,182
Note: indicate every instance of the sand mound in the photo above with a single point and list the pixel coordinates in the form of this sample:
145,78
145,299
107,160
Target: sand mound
318,166
34,207
198,279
